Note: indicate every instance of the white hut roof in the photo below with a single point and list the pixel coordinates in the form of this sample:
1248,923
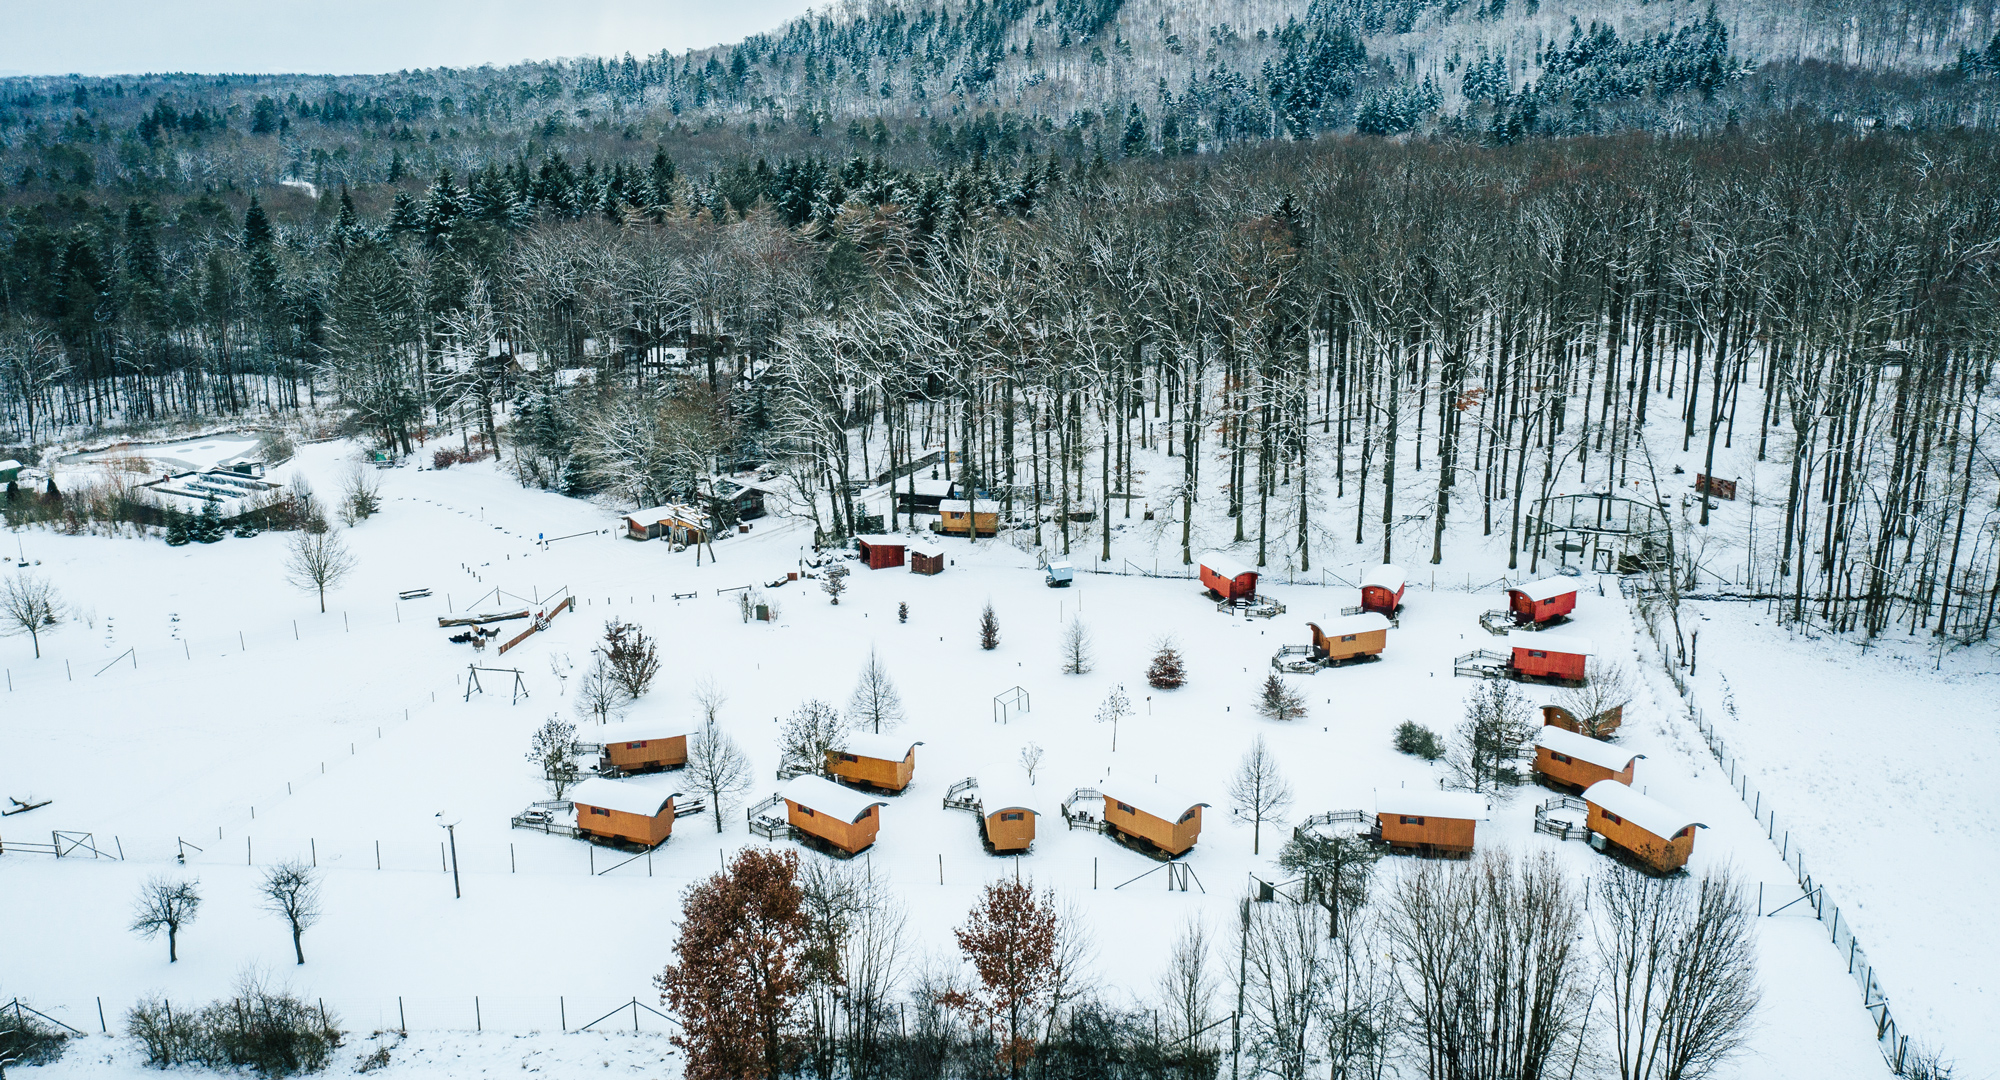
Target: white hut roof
925,548
1430,802
939,488
1225,565
653,515
1363,623
979,506
1584,748
1000,788
1642,810
880,747
1546,641
627,796
882,541
10,463
1142,792
1546,589
1385,576
638,731
823,796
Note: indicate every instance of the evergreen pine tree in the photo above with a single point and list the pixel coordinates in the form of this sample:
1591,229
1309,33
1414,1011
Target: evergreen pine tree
1166,672
903,613
347,229
177,528
207,529
989,629
1280,702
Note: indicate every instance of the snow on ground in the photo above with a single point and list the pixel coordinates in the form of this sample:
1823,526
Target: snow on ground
246,723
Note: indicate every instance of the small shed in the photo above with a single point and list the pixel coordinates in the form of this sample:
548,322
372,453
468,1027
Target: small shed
1542,601
1228,579
983,514
1567,759
1350,637
1152,813
1428,821
1382,589
1006,811
878,761
636,813
880,552
925,559
1653,832
1543,655
838,815
10,471
681,524
642,745
1060,574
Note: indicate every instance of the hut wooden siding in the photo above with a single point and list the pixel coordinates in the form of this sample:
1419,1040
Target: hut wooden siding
1540,601
1172,837
926,561
984,515
1226,578
1351,636
1634,822
1606,723
1382,589
1010,828
880,552
873,760
1548,656
837,815
624,820
1429,821
633,755
1577,761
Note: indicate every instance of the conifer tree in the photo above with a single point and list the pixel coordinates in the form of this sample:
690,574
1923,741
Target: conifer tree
1278,701
1166,672
989,629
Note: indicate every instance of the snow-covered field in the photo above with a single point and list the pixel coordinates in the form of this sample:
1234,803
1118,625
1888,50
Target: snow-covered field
244,726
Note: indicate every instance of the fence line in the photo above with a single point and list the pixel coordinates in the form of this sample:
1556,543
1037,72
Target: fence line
516,1013
1889,1036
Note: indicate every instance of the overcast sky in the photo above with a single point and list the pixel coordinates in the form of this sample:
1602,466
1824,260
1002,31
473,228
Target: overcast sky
112,37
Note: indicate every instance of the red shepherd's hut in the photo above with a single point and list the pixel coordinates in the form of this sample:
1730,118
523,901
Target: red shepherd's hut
1228,579
1542,601
880,552
1543,655
1382,589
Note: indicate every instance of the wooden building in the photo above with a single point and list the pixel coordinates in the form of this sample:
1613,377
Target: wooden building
840,816
679,524
1428,821
886,762
1543,601
983,515
627,811
1569,760
1350,637
1604,724
1549,656
923,496
1382,589
880,552
1006,811
1152,814
925,559
634,746
1654,833
1226,578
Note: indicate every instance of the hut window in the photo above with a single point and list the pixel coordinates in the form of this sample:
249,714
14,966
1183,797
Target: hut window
807,811
1564,758
1123,809
1187,817
1010,817
1409,820
849,757
635,745
1613,818
1541,655
600,810
1349,637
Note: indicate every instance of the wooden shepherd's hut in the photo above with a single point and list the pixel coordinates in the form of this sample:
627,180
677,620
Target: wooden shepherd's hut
1350,637
1382,589
620,810
1542,601
1007,812
1654,833
840,816
1226,578
1151,813
1427,821
1569,760
1549,657
886,762
635,746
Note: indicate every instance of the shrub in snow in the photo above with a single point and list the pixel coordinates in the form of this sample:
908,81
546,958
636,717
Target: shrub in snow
1280,702
1418,741
271,1032
26,1040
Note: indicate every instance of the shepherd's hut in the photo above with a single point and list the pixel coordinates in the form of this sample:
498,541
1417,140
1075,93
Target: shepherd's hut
1542,601
1225,577
1567,759
634,746
1654,833
1007,812
837,815
1152,813
1427,821
636,813
1548,656
886,762
1382,589
1350,637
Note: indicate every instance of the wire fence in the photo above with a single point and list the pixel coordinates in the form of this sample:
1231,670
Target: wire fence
1815,899
509,1013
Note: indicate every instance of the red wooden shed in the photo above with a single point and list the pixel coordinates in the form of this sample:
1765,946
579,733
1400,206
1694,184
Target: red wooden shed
1226,578
880,552
1382,589
1543,655
1542,601
925,559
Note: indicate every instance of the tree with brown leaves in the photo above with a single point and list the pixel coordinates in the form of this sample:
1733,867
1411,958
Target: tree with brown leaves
1012,939
739,966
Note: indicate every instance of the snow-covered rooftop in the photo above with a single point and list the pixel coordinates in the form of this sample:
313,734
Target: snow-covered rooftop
1363,623
1001,788
653,515
925,548
1545,641
1160,800
1225,565
638,730
645,798
823,796
937,488
1640,809
979,506
1429,802
1384,576
1546,589
1586,749
881,747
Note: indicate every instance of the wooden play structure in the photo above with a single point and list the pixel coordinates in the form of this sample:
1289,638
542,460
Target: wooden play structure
879,552
1654,834
865,759
1428,822
840,818
1558,659
1005,810
618,812
1141,814
639,746
1567,760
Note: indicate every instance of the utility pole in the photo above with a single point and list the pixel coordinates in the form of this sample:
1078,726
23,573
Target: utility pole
450,831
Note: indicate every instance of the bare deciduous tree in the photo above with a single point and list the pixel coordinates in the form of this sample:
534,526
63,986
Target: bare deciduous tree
1334,872
813,728
1284,971
291,892
166,906
1187,991
1259,791
875,703
1679,972
29,604
1598,705
318,562
1031,761
599,694
556,748
718,768
1076,648
1495,733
